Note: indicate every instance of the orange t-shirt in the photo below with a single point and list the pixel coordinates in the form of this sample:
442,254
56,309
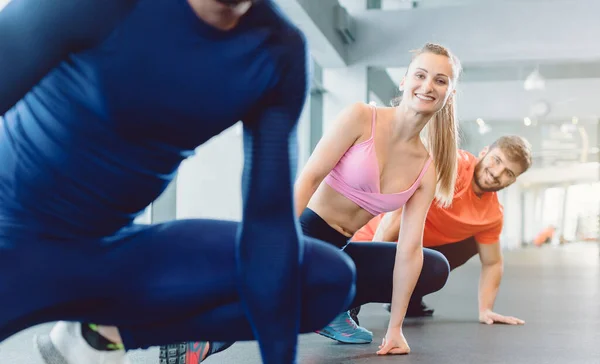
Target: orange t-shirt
468,215
367,232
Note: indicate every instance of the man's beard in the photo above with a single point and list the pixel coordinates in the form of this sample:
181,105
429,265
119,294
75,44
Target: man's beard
479,170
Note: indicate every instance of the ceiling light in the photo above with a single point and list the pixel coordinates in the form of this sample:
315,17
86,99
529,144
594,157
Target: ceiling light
484,129
535,81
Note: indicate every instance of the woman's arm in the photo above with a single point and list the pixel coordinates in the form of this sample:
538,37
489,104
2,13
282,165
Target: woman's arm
345,131
409,261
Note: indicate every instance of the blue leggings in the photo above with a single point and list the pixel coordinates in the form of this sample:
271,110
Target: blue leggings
375,263
160,284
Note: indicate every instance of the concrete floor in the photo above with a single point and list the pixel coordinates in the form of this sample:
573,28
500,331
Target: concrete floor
556,290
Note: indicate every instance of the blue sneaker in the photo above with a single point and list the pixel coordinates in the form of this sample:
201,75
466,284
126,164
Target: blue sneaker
345,330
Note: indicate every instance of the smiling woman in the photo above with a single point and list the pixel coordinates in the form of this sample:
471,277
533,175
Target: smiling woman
443,127
372,160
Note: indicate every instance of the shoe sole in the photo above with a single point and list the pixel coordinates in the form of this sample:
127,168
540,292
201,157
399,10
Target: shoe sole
47,351
177,353
345,340
173,354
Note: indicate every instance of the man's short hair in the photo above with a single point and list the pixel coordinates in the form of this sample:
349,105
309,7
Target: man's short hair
516,149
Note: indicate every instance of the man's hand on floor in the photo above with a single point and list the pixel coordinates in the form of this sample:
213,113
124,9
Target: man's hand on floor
489,317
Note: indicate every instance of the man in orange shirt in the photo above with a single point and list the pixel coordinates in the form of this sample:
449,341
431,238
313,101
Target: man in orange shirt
471,225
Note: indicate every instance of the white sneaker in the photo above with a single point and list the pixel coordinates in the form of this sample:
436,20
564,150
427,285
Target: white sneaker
66,345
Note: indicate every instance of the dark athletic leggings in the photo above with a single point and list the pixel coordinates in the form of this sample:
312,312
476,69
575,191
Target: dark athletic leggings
375,263
457,254
161,284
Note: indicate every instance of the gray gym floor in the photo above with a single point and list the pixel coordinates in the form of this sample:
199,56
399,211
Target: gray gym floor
556,290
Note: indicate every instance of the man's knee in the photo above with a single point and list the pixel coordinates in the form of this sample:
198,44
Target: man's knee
330,285
438,269
337,274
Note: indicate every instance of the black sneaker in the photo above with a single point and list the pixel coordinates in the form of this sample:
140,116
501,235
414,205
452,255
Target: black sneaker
354,314
420,310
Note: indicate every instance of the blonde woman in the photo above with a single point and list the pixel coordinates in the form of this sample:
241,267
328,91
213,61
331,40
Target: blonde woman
373,160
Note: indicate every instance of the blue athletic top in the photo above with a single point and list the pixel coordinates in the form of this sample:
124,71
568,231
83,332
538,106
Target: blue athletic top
101,136
102,100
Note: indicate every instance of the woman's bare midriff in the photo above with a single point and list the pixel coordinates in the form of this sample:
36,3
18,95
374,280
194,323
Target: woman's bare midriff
338,212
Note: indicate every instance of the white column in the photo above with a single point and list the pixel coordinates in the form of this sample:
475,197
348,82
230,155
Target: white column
304,136
529,218
539,211
352,5
344,86
209,183
513,218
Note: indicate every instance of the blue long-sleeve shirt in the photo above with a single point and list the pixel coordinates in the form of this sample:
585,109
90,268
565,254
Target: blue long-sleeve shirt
102,100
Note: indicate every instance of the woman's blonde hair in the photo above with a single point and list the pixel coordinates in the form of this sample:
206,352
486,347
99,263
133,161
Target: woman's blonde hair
442,137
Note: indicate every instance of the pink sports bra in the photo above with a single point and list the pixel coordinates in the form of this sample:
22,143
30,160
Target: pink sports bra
356,176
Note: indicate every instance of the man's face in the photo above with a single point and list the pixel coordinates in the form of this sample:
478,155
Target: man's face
235,2
495,171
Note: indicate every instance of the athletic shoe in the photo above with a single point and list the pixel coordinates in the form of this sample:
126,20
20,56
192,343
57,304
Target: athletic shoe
65,345
420,310
190,353
345,330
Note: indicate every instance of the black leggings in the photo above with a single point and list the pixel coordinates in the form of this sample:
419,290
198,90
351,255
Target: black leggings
458,253
375,263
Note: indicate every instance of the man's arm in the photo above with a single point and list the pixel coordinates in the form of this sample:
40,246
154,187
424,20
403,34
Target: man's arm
492,268
269,247
36,35
388,229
